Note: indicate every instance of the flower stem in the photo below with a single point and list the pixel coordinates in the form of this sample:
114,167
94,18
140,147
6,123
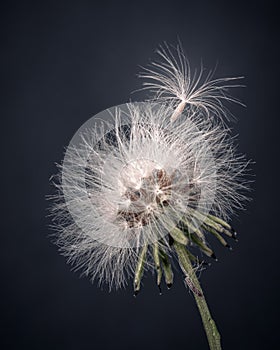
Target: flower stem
211,330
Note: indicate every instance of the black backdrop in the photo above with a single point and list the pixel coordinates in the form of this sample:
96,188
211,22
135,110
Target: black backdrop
63,62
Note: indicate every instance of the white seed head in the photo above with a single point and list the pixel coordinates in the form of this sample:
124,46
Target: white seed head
132,172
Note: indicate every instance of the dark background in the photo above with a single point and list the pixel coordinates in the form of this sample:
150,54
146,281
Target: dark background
63,62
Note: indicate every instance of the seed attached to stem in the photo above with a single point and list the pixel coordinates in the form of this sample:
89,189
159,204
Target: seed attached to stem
217,235
179,236
140,269
157,264
167,269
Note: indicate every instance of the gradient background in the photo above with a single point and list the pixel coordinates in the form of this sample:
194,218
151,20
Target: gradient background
63,62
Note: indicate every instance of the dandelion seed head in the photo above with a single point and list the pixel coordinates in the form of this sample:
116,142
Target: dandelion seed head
132,172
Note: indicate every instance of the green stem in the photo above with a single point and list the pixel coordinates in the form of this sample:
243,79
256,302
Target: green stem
211,330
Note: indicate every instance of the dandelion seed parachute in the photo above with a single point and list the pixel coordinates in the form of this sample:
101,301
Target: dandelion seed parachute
146,175
172,81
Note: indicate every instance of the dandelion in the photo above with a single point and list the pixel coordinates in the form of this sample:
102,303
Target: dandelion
151,182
